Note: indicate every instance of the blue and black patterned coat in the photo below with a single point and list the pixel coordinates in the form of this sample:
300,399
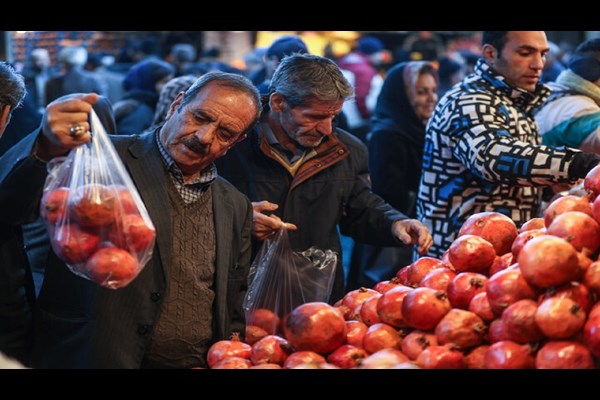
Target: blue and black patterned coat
482,153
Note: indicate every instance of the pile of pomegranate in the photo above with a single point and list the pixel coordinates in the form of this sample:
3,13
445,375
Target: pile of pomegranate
499,297
99,232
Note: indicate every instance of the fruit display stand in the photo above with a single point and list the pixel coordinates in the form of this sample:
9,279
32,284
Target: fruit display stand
501,297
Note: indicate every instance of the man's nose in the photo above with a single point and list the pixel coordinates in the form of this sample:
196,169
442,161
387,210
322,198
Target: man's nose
538,62
325,127
206,133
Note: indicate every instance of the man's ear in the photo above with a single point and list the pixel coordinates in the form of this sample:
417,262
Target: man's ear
277,102
4,118
174,105
490,53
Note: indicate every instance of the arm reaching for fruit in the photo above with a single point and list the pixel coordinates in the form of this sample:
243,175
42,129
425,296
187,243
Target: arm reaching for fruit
412,231
263,225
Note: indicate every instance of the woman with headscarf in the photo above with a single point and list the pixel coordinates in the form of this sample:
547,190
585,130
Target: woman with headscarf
143,83
404,106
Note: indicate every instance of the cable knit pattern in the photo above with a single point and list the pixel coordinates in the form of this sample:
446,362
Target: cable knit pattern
184,329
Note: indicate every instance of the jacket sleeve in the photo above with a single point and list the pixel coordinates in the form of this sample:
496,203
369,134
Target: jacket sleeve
22,179
367,218
388,160
484,144
238,318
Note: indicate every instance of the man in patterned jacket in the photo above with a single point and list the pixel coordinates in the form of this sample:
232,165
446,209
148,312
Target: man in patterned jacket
482,150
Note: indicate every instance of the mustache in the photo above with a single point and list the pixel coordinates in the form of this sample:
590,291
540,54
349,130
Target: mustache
193,144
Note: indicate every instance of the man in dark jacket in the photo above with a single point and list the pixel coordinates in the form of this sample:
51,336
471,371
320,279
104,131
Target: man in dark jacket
191,291
310,174
16,284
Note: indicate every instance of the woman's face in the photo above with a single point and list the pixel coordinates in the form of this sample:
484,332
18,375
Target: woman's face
425,96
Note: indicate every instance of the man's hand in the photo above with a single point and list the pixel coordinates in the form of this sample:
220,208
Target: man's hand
412,231
61,115
265,226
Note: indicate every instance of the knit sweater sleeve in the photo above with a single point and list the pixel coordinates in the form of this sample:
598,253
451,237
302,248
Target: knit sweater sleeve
485,143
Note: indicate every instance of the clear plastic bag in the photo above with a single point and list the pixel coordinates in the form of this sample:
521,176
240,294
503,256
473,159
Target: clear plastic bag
281,280
97,222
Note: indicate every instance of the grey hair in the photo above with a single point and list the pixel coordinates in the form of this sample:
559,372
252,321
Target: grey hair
12,87
224,79
302,77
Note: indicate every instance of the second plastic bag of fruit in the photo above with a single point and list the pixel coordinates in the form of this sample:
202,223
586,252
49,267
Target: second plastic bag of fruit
97,222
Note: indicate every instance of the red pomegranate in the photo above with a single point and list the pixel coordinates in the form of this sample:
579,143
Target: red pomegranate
463,328
270,349
501,263
384,286
596,209
519,322
509,355
481,306
564,355
347,356
368,311
54,205
559,318
523,238
547,261
476,357
131,232
112,267
591,335
575,291
355,332
423,308
303,357
497,331
383,359
266,366
355,298
315,326
464,287
441,357
264,319
592,277
226,349
533,224
577,228
125,200
381,336
438,279
496,228
470,253
507,287
418,269
93,205
73,244
233,363
591,183
402,275
417,341
254,334
565,204
389,306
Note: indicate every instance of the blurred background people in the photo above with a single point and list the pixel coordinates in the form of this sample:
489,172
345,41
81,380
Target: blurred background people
571,115
142,84
283,46
362,62
74,79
